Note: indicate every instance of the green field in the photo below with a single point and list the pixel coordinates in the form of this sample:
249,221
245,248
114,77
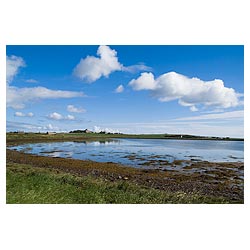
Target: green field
36,137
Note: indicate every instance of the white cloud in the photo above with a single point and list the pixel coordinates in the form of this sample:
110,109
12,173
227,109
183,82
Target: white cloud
145,81
92,68
57,116
20,114
188,91
119,89
49,127
31,81
17,97
98,129
73,109
13,64
136,68
217,110
193,109
70,117
224,116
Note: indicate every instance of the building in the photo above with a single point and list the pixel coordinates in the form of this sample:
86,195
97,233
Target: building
51,133
87,131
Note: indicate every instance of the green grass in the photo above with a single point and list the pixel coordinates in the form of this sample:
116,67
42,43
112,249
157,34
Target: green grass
36,137
29,185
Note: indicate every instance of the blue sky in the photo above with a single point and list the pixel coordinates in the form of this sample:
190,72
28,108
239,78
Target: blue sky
130,89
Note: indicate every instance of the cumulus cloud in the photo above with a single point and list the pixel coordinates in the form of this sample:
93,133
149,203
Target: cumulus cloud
98,129
17,97
73,109
57,116
20,114
92,68
188,91
13,64
119,89
145,81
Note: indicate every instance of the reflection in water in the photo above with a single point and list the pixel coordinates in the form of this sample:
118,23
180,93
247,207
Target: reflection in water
54,154
100,142
144,153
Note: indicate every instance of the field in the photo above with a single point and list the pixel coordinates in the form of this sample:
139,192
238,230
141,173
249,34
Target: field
40,179
36,137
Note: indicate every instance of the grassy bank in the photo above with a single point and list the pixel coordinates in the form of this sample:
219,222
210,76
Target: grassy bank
14,138
26,184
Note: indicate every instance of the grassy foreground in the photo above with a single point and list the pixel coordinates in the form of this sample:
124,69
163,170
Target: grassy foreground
28,185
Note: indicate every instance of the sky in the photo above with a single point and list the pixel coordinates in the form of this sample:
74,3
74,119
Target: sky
129,89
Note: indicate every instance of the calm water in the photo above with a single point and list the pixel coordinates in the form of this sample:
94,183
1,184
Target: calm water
139,152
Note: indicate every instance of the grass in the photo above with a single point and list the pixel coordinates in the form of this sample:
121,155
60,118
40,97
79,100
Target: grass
29,185
15,138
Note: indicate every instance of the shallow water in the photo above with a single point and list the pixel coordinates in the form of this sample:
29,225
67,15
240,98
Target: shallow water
142,153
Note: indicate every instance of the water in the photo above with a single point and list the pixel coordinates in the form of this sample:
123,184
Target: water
141,152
